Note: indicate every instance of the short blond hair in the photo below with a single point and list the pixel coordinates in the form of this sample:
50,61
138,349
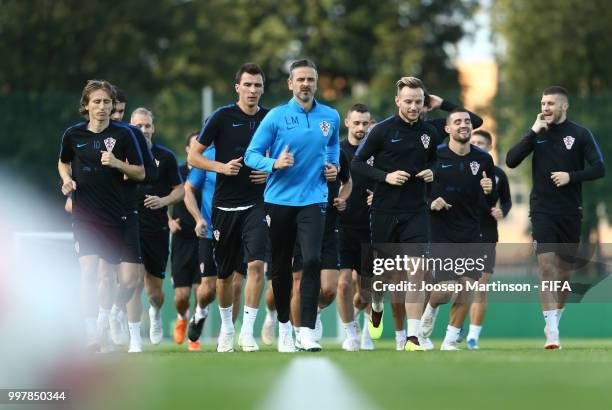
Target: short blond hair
410,82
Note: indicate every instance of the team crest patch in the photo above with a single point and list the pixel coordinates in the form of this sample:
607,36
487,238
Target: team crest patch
496,179
569,141
156,162
425,139
474,166
370,161
268,220
109,143
216,234
325,127
201,268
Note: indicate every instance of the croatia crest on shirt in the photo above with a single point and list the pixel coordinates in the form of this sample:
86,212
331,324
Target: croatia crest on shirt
109,143
325,127
425,139
474,166
569,141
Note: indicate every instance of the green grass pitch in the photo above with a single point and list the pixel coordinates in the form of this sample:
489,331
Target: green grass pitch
504,374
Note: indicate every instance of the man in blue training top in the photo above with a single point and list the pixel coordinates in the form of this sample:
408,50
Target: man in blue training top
302,138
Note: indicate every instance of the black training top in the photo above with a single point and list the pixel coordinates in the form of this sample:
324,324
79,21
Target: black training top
457,180
151,173
357,213
488,224
100,190
156,220
562,147
179,210
231,131
344,174
397,145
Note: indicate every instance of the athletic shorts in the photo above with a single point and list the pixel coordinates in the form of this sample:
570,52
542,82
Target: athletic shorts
184,261
556,233
130,248
489,250
351,243
401,228
240,237
155,252
205,258
98,239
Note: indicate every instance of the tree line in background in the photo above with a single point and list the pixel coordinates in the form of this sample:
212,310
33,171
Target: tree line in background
568,44
162,53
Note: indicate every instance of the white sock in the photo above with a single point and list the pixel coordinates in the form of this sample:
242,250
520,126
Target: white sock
474,332
156,311
115,310
552,322
134,331
452,334
270,315
378,306
183,317
296,330
351,329
413,327
400,334
103,318
431,311
284,327
248,319
227,326
201,313
366,319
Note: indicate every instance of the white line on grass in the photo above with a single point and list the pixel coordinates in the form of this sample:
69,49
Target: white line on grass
314,383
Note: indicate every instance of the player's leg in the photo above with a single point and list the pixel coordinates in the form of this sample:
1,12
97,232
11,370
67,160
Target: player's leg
296,274
254,235
398,311
89,299
107,282
477,313
155,252
310,227
344,302
458,313
268,329
282,223
185,272
205,293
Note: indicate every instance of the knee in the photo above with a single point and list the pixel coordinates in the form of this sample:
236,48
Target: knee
256,268
328,294
344,286
181,295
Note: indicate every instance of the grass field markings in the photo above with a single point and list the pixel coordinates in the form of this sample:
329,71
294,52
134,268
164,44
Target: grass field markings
315,383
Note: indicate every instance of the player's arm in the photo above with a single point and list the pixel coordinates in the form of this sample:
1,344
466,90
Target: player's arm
192,207
65,172
172,178
68,205
525,146
439,103
346,183
255,155
370,147
64,167
594,159
333,144
505,199
132,171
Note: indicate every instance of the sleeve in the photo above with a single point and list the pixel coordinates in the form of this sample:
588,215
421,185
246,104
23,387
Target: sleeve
174,173
151,170
66,151
521,150
255,155
211,129
503,190
333,145
490,170
370,147
593,157
132,149
345,171
196,178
